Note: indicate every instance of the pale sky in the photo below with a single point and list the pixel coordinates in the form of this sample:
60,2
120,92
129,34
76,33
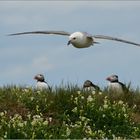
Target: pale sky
22,57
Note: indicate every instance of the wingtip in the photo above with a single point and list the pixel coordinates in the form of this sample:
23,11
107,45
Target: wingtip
8,34
11,34
15,34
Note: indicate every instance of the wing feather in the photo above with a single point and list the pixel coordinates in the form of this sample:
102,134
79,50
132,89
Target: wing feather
115,39
43,32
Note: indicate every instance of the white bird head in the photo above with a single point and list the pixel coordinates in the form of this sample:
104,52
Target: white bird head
80,40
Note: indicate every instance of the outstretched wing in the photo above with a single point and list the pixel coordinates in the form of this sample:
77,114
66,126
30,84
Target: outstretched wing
43,32
115,39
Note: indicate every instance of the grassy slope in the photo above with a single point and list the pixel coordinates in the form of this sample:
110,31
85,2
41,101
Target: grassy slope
59,103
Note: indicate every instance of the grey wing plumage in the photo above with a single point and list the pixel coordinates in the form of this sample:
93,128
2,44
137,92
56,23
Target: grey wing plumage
115,39
43,32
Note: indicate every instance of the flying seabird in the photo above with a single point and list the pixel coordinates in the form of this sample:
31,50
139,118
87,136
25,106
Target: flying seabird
41,83
79,39
115,84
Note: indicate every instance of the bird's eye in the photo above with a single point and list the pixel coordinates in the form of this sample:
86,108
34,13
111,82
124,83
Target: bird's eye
74,38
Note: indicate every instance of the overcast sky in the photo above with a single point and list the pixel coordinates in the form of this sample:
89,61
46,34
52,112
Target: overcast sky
22,57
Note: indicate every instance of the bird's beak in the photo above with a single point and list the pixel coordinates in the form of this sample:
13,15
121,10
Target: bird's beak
108,78
96,42
35,78
69,42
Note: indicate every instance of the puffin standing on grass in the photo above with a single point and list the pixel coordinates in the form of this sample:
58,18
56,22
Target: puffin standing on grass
88,85
115,84
41,83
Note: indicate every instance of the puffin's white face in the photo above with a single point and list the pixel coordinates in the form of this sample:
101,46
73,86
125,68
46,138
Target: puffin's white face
80,40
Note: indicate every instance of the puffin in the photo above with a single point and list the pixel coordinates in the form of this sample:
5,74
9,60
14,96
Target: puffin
115,84
41,83
88,85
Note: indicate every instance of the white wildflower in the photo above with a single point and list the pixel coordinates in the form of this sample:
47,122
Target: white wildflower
105,106
71,97
82,97
125,115
74,110
114,137
93,92
20,124
50,119
33,122
68,131
45,122
76,100
89,99
106,97
123,109
1,114
39,91
100,93
32,98
36,120
88,130
82,118
26,90
120,102
134,106
79,92
5,135
36,116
